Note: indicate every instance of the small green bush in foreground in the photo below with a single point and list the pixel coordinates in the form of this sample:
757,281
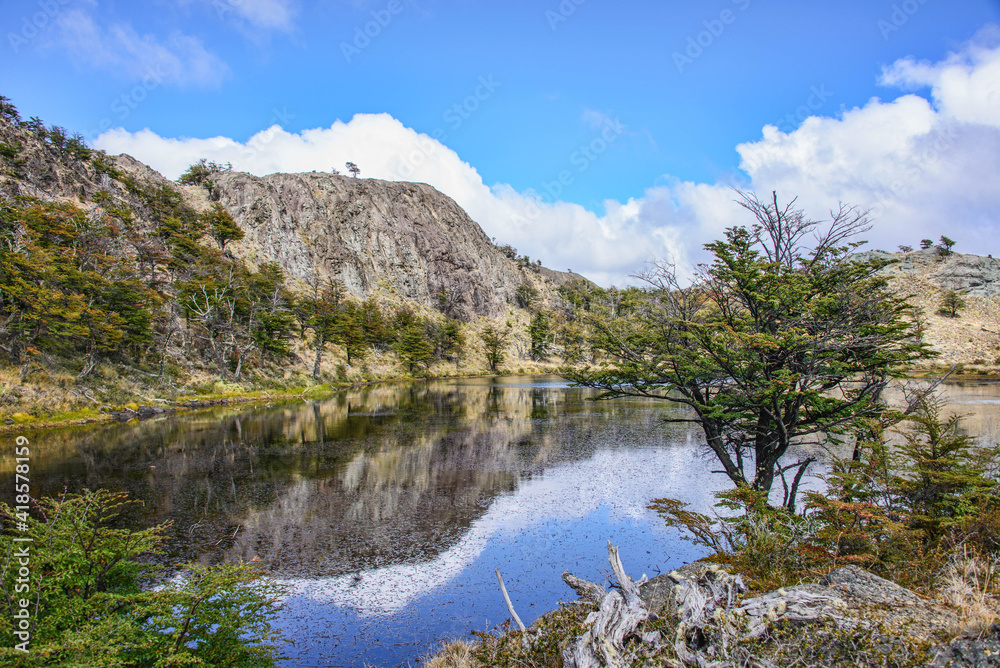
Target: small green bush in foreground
95,602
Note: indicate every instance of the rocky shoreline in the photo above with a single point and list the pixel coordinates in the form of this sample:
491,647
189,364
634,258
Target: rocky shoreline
698,616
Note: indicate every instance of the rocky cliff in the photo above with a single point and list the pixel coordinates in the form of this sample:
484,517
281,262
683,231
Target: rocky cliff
924,276
363,233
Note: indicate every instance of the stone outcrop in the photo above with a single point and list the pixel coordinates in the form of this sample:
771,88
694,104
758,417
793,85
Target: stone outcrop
924,276
695,616
363,232
972,275
366,234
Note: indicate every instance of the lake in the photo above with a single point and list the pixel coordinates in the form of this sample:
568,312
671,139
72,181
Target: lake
386,508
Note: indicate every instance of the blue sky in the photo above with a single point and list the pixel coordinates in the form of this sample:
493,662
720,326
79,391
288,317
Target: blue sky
637,108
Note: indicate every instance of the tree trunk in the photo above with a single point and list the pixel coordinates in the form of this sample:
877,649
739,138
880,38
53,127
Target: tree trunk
320,342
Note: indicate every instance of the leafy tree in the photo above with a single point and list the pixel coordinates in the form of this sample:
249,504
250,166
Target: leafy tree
540,332
413,347
225,321
321,312
62,291
373,323
221,226
573,341
905,249
448,340
353,169
952,303
944,474
273,303
778,343
945,245
579,294
926,243
355,328
200,173
96,601
8,111
495,345
525,295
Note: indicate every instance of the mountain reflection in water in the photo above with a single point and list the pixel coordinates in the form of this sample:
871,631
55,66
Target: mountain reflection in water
387,507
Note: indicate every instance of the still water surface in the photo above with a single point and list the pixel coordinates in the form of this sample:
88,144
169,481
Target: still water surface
386,508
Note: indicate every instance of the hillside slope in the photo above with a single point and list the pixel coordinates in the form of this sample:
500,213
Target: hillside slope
924,276
363,233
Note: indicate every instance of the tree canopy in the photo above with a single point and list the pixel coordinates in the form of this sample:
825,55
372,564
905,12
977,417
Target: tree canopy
783,339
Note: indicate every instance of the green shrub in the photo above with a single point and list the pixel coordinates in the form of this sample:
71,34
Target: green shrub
898,511
97,600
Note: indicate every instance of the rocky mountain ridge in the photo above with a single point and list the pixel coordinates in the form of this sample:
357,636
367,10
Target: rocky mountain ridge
363,233
972,338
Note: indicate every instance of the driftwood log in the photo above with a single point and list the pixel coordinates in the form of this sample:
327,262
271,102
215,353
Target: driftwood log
617,619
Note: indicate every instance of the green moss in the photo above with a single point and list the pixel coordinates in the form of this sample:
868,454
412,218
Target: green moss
827,644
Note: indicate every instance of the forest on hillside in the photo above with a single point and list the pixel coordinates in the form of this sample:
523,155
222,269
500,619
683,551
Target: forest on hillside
131,277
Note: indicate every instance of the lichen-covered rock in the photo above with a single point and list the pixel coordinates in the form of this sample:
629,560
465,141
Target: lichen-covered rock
857,585
363,233
970,652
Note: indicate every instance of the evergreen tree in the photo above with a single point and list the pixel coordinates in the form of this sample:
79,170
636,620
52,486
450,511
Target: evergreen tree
944,476
414,347
221,226
539,331
351,329
778,341
952,303
494,345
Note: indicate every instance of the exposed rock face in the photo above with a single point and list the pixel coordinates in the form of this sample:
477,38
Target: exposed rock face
924,276
361,232
969,274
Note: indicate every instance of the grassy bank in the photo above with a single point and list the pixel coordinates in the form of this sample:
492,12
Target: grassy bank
46,399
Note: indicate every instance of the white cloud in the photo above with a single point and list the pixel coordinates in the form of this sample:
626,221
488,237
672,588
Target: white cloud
563,235
181,60
965,86
257,14
927,168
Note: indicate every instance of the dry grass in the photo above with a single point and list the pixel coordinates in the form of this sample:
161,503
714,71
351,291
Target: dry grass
456,654
968,584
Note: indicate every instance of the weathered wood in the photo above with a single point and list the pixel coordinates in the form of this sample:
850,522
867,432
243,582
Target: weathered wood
618,618
506,597
586,590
